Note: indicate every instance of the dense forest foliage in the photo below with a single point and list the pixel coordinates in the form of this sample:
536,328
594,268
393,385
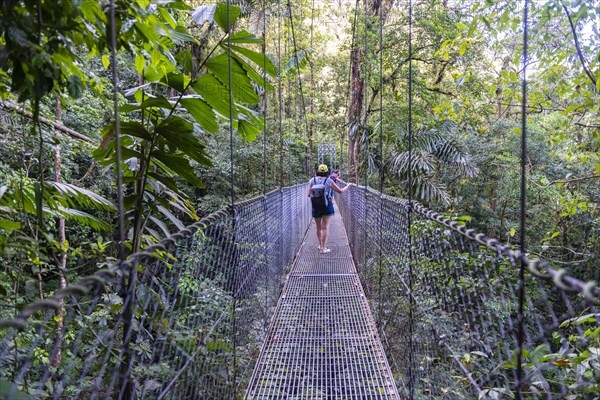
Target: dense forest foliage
302,74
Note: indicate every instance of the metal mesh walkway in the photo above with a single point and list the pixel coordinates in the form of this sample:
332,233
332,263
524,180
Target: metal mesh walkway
323,342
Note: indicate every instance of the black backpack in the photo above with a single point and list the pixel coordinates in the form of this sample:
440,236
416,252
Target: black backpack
319,194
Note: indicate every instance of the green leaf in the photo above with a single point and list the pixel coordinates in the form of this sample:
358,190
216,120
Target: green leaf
167,17
584,319
296,61
179,165
140,64
9,226
146,32
244,36
165,180
75,86
8,390
185,59
247,130
105,61
176,221
163,227
202,113
180,35
159,101
252,74
92,11
84,218
217,345
214,92
72,194
221,15
176,80
179,134
136,129
461,26
257,58
241,85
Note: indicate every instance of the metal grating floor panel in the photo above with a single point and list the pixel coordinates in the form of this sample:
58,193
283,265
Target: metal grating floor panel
323,318
315,265
323,342
300,287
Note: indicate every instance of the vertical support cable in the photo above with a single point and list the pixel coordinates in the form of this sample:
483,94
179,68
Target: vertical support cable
117,128
128,271
231,161
380,188
267,265
311,167
280,95
521,322
280,100
264,111
411,379
366,131
348,94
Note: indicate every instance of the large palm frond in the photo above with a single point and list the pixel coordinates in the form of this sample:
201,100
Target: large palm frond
432,150
57,199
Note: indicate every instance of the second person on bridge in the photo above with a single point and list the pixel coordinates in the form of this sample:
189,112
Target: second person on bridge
320,191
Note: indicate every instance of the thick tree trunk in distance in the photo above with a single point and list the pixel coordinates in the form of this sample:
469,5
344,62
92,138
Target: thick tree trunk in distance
62,239
357,85
355,111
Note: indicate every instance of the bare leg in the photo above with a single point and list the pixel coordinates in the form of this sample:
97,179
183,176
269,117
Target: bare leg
324,230
319,223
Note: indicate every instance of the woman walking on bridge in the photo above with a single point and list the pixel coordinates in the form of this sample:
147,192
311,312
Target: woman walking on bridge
320,191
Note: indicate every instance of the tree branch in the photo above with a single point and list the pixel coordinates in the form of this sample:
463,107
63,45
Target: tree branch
593,126
577,46
568,180
440,91
56,125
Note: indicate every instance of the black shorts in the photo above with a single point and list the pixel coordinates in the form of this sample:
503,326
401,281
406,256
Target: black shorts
317,213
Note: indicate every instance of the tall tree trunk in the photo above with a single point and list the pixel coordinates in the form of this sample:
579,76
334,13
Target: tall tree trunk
355,109
62,240
357,86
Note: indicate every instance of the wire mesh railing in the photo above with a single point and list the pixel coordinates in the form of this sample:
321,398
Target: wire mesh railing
446,298
199,310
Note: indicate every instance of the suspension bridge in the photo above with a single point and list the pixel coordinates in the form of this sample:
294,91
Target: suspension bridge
407,305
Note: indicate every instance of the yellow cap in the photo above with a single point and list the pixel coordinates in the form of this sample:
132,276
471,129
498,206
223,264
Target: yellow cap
322,168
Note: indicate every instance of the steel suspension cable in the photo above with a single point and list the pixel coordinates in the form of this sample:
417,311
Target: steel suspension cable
128,272
310,145
380,150
280,94
411,383
117,129
365,130
266,264
523,206
264,110
232,164
349,91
